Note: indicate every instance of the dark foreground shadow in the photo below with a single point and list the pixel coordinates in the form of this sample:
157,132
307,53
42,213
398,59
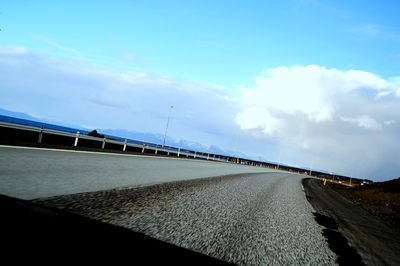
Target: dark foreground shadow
34,233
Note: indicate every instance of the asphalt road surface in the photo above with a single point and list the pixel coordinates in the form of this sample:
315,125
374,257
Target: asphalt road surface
29,173
245,215
246,219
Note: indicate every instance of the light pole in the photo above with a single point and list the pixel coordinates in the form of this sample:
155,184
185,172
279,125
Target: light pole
166,129
236,139
279,157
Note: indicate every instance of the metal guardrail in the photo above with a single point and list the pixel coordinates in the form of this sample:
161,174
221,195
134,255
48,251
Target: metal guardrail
145,146
13,123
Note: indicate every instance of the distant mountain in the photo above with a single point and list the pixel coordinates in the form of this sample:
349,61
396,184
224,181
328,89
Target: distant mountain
18,115
159,138
145,137
36,119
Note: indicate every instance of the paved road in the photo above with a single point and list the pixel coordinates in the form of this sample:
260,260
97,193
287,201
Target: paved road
248,216
29,173
247,219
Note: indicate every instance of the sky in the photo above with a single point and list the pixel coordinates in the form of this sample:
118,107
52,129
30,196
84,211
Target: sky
303,82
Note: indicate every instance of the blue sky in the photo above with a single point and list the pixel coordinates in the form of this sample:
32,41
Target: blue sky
291,78
223,42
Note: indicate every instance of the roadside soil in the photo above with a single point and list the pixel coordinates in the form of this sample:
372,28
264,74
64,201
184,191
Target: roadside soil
382,199
354,234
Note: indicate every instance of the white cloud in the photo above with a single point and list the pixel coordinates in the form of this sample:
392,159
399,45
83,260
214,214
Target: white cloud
375,30
396,82
13,50
389,122
363,121
289,90
304,89
258,117
129,57
83,94
312,108
55,44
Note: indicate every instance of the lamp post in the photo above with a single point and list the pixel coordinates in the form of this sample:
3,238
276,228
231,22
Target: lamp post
166,129
279,157
236,139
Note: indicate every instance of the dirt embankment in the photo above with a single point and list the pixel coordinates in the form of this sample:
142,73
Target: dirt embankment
356,236
382,199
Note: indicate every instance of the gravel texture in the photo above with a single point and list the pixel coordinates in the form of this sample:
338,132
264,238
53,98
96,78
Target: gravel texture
247,219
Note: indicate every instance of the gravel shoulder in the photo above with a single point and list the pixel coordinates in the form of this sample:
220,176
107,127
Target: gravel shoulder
380,199
35,234
246,219
368,240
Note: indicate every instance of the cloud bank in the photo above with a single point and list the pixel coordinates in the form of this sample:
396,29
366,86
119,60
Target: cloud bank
344,120
347,122
91,96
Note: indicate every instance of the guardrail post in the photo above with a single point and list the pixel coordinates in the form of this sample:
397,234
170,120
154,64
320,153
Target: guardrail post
156,150
125,145
144,145
76,139
103,144
179,150
40,135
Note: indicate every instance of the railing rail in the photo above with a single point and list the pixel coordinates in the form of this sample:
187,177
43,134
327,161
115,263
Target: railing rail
44,128
145,146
